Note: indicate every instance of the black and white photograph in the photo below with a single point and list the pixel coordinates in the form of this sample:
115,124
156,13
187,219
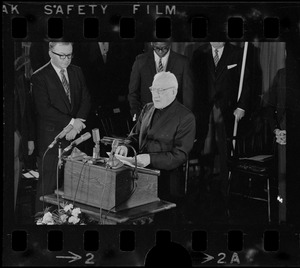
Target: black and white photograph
146,134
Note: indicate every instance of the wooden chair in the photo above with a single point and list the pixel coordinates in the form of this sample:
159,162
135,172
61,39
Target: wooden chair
114,121
252,164
193,167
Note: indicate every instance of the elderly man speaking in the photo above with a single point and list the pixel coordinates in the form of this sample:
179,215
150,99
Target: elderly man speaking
165,133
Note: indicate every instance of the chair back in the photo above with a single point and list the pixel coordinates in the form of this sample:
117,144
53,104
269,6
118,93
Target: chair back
258,139
114,121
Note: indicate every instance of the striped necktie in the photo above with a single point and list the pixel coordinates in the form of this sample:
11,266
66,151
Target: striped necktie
216,57
65,84
160,66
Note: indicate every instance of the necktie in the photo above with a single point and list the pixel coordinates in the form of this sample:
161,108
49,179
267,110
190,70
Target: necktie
105,50
216,57
65,84
160,66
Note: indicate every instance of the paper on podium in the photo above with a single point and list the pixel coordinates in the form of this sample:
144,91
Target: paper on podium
130,161
127,160
77,154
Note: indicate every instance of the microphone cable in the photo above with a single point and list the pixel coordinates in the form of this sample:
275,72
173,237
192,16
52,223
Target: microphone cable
79,179
57,175
42,175
126,199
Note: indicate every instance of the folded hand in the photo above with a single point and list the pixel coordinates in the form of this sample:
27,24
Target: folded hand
78,124
71,134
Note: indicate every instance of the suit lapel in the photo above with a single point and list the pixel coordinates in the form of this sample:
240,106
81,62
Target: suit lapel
151,63
145,128
210,62
171,61
71,76
59,86
222,63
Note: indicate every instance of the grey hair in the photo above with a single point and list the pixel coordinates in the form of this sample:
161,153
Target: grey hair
53,44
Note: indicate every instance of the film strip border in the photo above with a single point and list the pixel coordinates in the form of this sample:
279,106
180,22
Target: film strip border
145,22
128,246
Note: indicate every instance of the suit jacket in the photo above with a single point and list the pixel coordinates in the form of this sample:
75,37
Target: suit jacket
219,86
54,112
168,142
143,72
24,116
170,139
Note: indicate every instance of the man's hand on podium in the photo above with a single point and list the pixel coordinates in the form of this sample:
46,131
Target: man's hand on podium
122,150
143,160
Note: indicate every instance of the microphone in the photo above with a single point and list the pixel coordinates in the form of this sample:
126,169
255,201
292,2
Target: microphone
81,139
96,139
96,135
60,135
114,147
114,162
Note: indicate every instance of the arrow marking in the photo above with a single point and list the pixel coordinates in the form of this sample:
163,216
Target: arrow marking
75,257
207,258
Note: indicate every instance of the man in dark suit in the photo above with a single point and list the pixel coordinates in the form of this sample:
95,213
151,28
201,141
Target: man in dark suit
24,122
164,132
216,71
62,101
147,65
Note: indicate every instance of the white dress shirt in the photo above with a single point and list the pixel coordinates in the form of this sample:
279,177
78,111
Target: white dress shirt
220,51
164,60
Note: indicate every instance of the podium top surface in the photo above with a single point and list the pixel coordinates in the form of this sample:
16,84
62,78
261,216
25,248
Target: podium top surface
102,165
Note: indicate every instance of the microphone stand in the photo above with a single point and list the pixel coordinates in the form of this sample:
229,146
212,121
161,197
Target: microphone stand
59,164
59,155
96,151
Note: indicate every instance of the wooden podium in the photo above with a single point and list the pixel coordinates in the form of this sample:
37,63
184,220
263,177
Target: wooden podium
110,189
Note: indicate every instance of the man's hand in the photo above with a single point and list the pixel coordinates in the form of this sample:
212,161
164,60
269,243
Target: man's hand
30,147
71,134
78,124
280,136
122,150
143,160
239,114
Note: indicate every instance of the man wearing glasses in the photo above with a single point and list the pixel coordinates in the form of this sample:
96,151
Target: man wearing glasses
159,58
62,101
165,132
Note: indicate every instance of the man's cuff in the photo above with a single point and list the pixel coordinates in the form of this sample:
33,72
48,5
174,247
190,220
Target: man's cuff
72,122
241,109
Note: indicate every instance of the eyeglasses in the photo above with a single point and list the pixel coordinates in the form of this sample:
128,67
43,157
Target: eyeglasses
162,49
63,56
159,91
